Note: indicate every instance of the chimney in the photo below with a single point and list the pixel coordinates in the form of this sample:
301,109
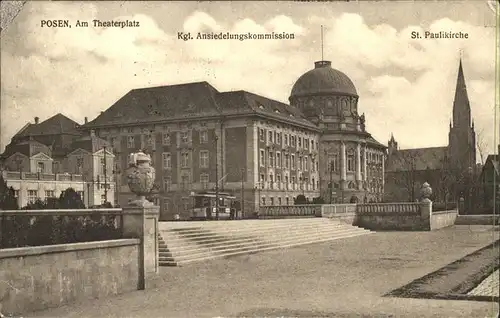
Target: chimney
37,119
86,119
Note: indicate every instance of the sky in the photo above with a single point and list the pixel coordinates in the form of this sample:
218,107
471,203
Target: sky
405,86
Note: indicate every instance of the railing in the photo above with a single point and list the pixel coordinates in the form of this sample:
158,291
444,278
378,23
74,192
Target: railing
403,207
21,228
290,210
338,209
16,175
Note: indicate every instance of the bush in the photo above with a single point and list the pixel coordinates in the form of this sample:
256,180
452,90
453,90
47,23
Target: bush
318,200
70,199
8,199
300,199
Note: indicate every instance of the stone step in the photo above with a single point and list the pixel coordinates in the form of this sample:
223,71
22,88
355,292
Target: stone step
252,245
273,237
173,262
255,227
172,239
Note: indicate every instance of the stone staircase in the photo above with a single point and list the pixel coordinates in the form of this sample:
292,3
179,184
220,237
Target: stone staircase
185,242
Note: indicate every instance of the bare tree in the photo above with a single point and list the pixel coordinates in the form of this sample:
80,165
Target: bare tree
406,160
481,145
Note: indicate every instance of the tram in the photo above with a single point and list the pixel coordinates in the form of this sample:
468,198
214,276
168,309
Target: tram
204,205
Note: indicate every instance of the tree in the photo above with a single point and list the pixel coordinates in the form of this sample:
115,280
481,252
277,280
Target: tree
406,160
38,204
8,199
481,145
70,199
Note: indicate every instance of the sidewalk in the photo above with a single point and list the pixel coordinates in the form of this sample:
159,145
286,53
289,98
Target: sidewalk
343,278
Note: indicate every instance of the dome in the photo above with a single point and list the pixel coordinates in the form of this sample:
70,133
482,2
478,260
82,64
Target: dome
323,79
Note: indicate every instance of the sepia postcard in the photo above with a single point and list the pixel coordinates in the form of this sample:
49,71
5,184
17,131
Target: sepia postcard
250,159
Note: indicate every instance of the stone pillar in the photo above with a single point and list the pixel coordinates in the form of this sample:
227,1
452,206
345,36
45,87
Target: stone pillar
343,163
358,162
364,163
426,213
142,222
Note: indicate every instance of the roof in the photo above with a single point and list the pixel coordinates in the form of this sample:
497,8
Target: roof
90,143
190,100
160,103
25,148
323,79
423,158
55,125
374,142
241,102
494,161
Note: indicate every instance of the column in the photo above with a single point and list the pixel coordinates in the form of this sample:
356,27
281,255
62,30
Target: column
383,173
364,163
343,163
358,162
142,222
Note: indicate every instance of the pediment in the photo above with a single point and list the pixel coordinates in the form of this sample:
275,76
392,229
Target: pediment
17,155
78,152
41,156
101,152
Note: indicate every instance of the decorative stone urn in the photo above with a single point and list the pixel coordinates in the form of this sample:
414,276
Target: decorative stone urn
140,177
426,191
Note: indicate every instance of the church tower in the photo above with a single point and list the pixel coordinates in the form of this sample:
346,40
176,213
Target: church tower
462,137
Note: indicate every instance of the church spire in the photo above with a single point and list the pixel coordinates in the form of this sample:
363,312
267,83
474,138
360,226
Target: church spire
461,105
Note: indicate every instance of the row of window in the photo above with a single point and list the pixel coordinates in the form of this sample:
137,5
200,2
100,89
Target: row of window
185,182
279,201
33,194
287,139
287,180
185,159
149,140
287,161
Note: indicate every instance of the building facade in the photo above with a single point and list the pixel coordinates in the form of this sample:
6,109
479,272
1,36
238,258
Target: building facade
449,169
30,186
263,151
45,158
490,183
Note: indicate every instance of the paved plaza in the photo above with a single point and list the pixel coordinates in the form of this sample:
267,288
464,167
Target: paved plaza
342,278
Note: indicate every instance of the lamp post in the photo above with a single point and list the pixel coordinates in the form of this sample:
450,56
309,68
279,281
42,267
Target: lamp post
216,178
105,177
242,205
331,181
116,171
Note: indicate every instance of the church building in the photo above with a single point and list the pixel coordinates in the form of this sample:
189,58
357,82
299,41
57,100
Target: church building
449,169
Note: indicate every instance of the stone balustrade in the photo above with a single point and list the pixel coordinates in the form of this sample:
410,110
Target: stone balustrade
17,175
290,211
399,207
338,209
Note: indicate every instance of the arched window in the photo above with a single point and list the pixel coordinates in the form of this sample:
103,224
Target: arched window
350,160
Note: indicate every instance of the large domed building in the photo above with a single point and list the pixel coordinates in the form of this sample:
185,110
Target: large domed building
351,161
262,151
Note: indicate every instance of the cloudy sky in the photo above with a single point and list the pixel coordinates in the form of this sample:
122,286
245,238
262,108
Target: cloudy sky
406,86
